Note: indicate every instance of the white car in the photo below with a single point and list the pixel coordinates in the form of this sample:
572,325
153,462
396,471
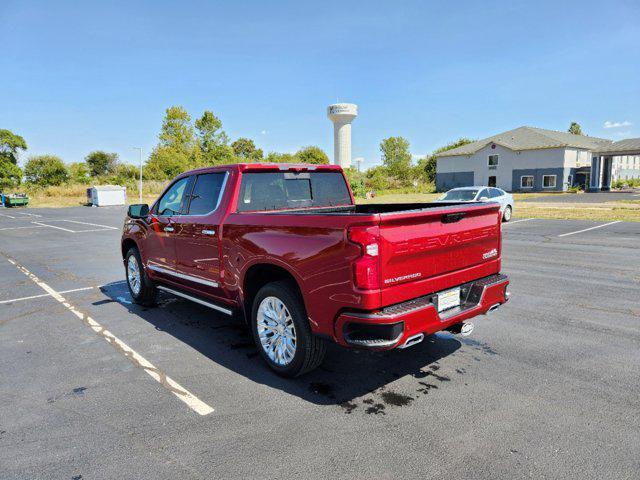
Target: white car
482,194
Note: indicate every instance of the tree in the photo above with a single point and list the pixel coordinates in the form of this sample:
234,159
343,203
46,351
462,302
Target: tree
429,164
45,170
246,150
356,181
79,172
274,157
213,142
165,163
101,163
377,178
313,155
10,143
10,174
177,131
575,128
396,157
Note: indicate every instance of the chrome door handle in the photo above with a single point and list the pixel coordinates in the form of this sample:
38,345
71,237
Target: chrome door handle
208,232
168,229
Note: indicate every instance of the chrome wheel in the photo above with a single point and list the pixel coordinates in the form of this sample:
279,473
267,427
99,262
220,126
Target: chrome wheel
506,216
134,275
276,331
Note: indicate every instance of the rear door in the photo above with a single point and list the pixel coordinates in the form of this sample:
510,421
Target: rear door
197,235
431,243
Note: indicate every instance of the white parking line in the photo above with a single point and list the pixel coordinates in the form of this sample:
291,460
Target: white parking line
53,226
5,215
91,224
517,221
45,295
21,228
587,229
193,402
30,214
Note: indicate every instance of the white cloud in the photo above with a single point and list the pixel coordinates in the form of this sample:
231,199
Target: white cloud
609,124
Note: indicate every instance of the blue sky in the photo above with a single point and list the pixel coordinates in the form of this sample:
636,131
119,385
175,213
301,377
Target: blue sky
79,76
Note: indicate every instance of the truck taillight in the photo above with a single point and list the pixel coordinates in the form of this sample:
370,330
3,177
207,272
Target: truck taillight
366,268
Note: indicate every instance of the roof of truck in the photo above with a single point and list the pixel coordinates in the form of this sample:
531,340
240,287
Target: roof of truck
267,166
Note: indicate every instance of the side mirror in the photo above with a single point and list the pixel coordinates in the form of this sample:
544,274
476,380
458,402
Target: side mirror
483,199
138,210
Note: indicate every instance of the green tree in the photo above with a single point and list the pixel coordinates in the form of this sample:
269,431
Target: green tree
79,172
213,142
10,143
396,157
246,150
377,178
165,163
428,165
575,128
101,163
45,170
10,174
313,155
177,131
356,181
274,157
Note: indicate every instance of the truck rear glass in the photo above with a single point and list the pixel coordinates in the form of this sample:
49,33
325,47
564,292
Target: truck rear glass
260,191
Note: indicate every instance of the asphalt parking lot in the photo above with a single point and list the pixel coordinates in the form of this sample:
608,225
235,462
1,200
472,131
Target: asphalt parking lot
547,387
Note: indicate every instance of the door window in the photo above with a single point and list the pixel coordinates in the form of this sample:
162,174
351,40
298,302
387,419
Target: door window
206,193
495,193
172,202
483,193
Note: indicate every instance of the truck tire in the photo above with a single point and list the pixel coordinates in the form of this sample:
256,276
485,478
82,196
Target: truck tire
142,290
281,330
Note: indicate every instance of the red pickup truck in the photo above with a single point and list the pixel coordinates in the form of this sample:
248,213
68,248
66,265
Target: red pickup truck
286,248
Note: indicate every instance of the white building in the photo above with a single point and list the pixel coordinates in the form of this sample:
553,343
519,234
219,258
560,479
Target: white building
616,161
524,159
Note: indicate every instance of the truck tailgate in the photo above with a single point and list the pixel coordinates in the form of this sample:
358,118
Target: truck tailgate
428,244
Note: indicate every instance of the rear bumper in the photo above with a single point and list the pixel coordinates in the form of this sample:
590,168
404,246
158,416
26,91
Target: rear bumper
392,326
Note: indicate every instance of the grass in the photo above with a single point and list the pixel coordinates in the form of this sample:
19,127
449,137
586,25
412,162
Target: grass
76,194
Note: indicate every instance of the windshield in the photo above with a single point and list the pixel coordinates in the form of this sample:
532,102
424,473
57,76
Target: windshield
285,190
459,195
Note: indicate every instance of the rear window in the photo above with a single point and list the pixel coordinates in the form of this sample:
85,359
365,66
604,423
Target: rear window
285,190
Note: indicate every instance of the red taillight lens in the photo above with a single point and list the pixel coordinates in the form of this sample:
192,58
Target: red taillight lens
366,269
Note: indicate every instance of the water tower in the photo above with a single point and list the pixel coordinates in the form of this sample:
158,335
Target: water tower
342,114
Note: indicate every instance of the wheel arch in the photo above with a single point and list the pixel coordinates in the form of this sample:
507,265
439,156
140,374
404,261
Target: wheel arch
127,243
260,274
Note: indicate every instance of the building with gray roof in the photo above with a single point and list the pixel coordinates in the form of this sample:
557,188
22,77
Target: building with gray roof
532,159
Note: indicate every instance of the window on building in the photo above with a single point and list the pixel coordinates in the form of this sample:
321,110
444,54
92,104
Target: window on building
526,181
570,180
548,181
493,160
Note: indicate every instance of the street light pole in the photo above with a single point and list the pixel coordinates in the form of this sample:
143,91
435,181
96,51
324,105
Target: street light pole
140,150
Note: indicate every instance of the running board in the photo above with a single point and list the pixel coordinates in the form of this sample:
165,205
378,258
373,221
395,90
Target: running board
196,300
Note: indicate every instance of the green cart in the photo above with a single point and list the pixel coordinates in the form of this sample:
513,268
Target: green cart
16,200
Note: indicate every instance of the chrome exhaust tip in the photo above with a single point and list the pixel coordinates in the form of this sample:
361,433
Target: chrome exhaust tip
493,308
466,329
412,340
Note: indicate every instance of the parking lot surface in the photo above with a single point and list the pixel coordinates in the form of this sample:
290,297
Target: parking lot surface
93,386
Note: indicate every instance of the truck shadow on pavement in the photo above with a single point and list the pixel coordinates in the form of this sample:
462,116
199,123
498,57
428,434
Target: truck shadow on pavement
345,374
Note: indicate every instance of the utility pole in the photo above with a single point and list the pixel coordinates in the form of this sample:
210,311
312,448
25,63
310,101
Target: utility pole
140,151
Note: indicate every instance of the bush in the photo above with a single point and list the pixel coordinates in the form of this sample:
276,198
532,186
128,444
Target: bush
46,170
357,182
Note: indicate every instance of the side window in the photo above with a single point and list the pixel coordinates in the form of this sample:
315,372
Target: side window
204,198
171,202
483,193
495,193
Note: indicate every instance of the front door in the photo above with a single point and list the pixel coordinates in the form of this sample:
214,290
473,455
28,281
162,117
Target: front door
198,236
159,249
492,181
